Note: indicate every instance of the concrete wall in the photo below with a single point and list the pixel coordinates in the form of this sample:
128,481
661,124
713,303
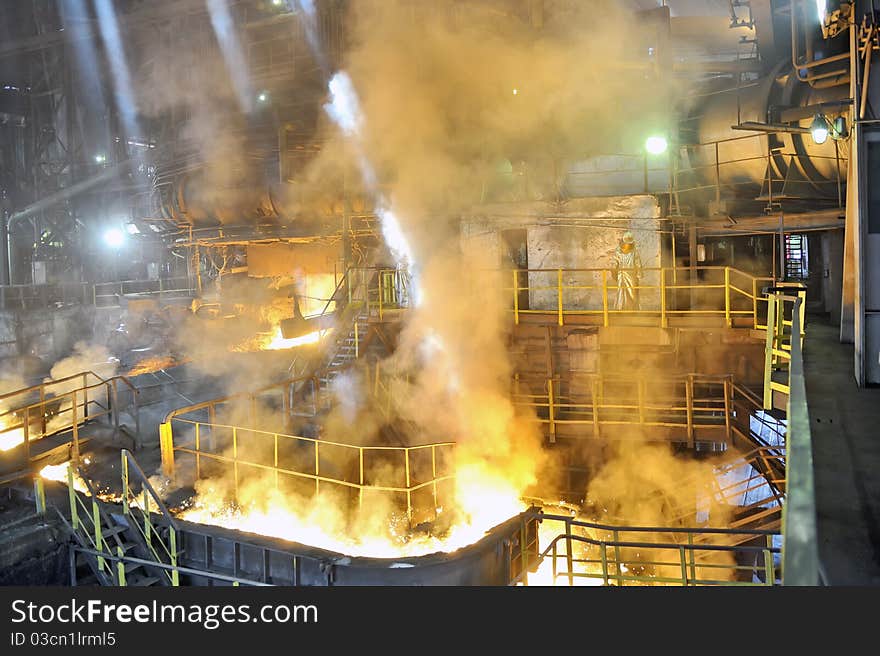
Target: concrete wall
32,340
832,272
581,233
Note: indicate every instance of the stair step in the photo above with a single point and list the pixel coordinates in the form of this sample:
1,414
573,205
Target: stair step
142,582
88,579
114,530
130,567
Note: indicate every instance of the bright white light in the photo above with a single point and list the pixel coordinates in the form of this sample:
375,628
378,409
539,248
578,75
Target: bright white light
263,97
114,237
344,107
100,158
132,229
656,145
515,91
394,237
277,3
819,129
820,10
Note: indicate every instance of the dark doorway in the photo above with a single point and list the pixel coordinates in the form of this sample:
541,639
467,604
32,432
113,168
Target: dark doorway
516,245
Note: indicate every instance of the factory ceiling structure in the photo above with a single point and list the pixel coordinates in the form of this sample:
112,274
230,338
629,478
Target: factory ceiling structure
469,292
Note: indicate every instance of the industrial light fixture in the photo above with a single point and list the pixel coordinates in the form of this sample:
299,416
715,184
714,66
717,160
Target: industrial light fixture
515,91
819,129
114,237
656,145
100,158
263,96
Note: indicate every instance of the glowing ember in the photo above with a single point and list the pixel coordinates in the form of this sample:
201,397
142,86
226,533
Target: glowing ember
274,341
58,473
149,365
277,342
378,531
10,438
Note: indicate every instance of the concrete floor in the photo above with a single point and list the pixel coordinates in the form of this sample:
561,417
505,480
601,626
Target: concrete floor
845,427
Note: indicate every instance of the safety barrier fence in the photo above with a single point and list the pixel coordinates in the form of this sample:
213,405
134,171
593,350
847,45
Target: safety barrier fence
412,476
786,303
145,541
53,407
688,403
105,294
661,293
156,531
641,555
801,564
579,294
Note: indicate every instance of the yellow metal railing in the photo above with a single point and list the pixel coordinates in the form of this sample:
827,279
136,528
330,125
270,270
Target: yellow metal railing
292,458
627,555
689,402
152,529
782,300
663,293
88,521
65,404
378,290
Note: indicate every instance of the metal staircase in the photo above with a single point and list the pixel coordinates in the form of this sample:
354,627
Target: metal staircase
130,544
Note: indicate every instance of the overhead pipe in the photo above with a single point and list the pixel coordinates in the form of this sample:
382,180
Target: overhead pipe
43,204
813,63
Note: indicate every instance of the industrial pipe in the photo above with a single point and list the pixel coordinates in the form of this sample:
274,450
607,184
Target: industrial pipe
812,63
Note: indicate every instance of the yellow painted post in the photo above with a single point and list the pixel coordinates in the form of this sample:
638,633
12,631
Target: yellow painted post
198,450
235,458
120,567
689,395
728,394
551,412
683,562
317,468
175,575
27,437
755,302
559,295
605,297
569,555
768,351
99,538
408,483
617,559
275,458
360,476
380,294
516,297
85,396
148,525
40,495
768,562
74,423
727,297
124,471
71,493
356,341
692,557
604,563
664,321
434,475
166,448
